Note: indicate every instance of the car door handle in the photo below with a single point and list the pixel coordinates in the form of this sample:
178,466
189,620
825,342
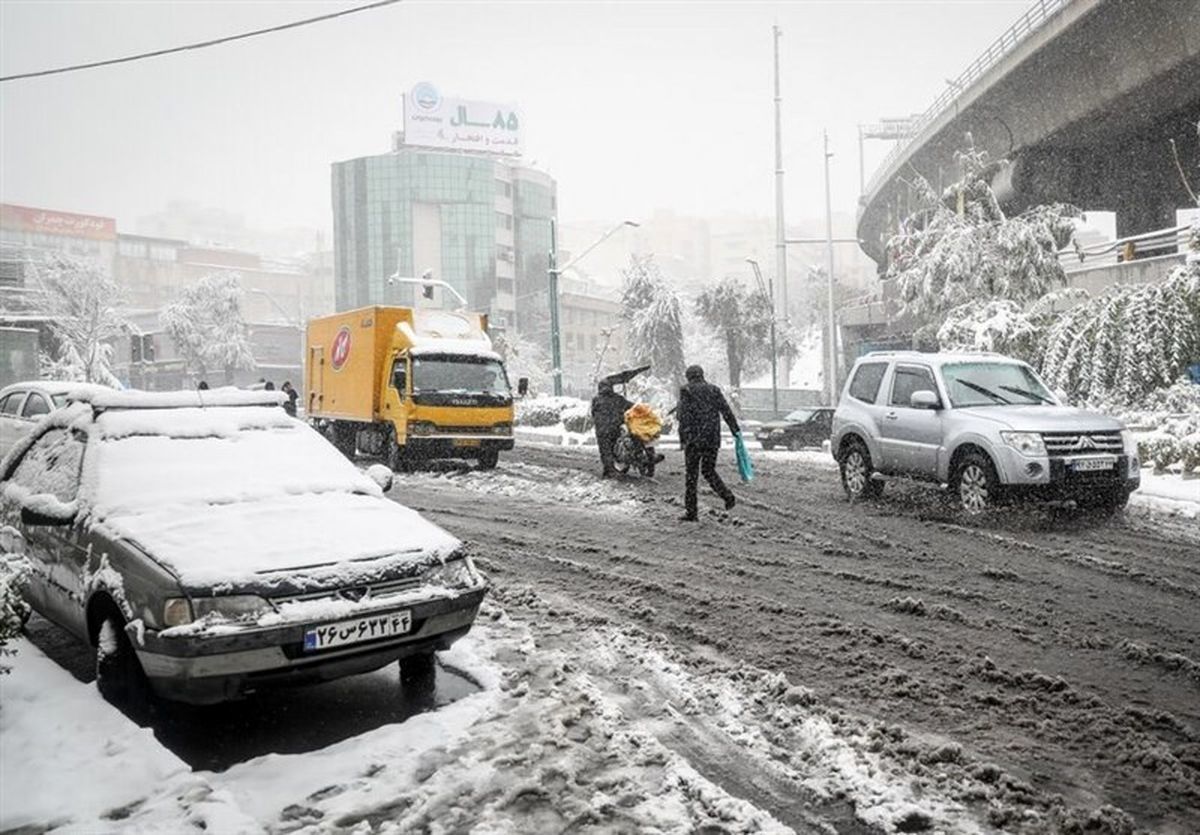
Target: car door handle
892,416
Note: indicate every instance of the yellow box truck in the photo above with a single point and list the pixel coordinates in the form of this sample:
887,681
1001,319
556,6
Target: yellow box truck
408,383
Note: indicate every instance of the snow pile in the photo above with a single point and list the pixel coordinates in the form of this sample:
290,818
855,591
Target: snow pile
530,483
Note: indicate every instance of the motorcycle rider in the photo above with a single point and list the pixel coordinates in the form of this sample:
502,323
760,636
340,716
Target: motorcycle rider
608,416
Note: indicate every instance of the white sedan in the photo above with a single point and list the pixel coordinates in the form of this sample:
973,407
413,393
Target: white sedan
22,404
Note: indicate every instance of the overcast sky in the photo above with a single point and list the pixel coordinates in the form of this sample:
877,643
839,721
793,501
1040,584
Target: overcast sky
631,106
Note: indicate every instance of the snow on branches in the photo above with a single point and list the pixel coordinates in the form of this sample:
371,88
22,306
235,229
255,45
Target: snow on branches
742,320
653,319
206,325
945,257
80,301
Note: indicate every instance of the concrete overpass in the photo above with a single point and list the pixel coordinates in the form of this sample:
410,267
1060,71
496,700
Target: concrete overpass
1082,97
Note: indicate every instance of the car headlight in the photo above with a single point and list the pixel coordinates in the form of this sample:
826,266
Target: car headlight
1026,443
453,573
177,611
231,606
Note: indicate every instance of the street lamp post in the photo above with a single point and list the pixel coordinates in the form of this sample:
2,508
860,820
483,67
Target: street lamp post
769,290
555,272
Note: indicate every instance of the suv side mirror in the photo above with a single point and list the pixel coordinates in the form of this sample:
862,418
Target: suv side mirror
32,518
924,399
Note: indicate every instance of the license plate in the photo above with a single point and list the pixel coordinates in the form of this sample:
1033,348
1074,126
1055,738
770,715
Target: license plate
357,630
1087,465
467,442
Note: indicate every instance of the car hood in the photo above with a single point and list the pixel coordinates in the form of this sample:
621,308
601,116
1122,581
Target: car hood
1043,418
317,539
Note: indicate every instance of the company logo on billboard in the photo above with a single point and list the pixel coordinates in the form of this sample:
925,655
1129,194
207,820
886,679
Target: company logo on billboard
340,352
426,97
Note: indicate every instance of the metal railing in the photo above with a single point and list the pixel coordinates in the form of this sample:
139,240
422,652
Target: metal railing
1171,240
1026,25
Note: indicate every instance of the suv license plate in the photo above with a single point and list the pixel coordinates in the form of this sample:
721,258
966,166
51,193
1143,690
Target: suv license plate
1087,465
357,630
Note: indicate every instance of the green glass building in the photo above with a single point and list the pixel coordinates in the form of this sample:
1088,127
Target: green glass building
480,223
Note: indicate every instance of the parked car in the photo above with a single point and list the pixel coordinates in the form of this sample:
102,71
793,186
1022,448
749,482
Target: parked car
23,404
208,545
798,429
984,424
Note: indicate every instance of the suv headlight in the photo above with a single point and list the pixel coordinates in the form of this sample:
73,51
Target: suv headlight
454,573
1129,442
231,607
1026,443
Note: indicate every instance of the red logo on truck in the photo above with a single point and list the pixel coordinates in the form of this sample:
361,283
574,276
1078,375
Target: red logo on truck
341,349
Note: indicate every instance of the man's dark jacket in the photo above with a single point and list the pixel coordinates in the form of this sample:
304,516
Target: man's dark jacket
701,407
608,412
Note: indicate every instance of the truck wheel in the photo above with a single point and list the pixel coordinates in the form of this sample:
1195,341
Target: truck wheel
975,483
488,459
119,675
857,470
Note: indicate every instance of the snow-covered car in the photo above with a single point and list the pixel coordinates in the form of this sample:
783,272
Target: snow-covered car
796,430
983,423
23,404
209,545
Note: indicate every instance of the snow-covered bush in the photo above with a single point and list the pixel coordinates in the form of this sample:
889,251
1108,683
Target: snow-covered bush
13,608
1173,441
578,418
546,411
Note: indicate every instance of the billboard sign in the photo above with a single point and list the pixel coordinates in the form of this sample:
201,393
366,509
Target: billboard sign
434,121
26,219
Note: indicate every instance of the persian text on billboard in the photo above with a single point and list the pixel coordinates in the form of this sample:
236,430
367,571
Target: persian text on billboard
436,122
28,219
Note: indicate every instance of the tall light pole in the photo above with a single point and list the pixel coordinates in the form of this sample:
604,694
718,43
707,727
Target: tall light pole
833,364
768,290
555,272
780,246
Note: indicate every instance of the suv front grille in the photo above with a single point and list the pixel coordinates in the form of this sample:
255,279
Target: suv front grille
1076,443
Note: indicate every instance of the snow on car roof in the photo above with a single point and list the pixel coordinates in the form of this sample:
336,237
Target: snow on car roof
132,399
454,347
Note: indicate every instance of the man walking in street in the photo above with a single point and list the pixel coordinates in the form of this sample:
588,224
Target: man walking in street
608,416
701,407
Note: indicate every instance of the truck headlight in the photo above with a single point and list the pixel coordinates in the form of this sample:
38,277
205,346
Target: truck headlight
231,606
1026,443
454,573
177,611
421,427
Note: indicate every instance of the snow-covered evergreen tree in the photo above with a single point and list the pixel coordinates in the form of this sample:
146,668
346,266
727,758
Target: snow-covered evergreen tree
525,358
80,300
653,319
206,325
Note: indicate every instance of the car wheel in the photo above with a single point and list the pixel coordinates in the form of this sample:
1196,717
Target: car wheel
419,668
488,459
767,447
119,675
856,471
975,484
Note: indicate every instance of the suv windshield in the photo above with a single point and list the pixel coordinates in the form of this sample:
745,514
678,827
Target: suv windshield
993,384
459,375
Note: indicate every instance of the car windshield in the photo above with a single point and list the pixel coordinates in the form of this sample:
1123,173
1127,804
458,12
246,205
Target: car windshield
151,458
799,416
993,384
460,375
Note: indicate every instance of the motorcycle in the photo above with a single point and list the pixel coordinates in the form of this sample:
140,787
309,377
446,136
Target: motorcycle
643,426
631,452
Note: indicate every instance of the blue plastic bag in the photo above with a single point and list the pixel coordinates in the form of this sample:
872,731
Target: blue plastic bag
745,466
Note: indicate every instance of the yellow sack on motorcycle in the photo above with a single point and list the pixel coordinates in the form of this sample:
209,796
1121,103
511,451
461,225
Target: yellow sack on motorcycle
643,423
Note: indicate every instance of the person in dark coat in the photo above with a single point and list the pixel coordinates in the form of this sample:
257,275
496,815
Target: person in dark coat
701,407
293,396
608,416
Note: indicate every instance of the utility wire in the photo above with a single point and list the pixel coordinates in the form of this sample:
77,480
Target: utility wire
201,45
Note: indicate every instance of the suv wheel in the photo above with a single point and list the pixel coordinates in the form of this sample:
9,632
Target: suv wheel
119,675
857,471
975,483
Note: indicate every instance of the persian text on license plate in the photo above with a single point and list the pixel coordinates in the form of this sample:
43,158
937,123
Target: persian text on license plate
357,630
1091,464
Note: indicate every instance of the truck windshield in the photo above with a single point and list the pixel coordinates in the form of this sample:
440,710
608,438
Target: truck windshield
459,375
993,384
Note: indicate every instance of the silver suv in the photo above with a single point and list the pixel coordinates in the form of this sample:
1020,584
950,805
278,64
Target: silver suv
985,425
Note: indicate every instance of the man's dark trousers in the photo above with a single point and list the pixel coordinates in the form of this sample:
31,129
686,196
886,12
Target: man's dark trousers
606,439
697,460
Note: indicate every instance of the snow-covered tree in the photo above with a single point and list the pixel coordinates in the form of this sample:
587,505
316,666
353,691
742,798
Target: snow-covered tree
960,247
80,300
525,358
653,319
206,325
992,325
742,321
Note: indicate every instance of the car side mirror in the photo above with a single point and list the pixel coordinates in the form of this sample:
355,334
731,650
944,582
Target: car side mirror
32,518
522,386
924,399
